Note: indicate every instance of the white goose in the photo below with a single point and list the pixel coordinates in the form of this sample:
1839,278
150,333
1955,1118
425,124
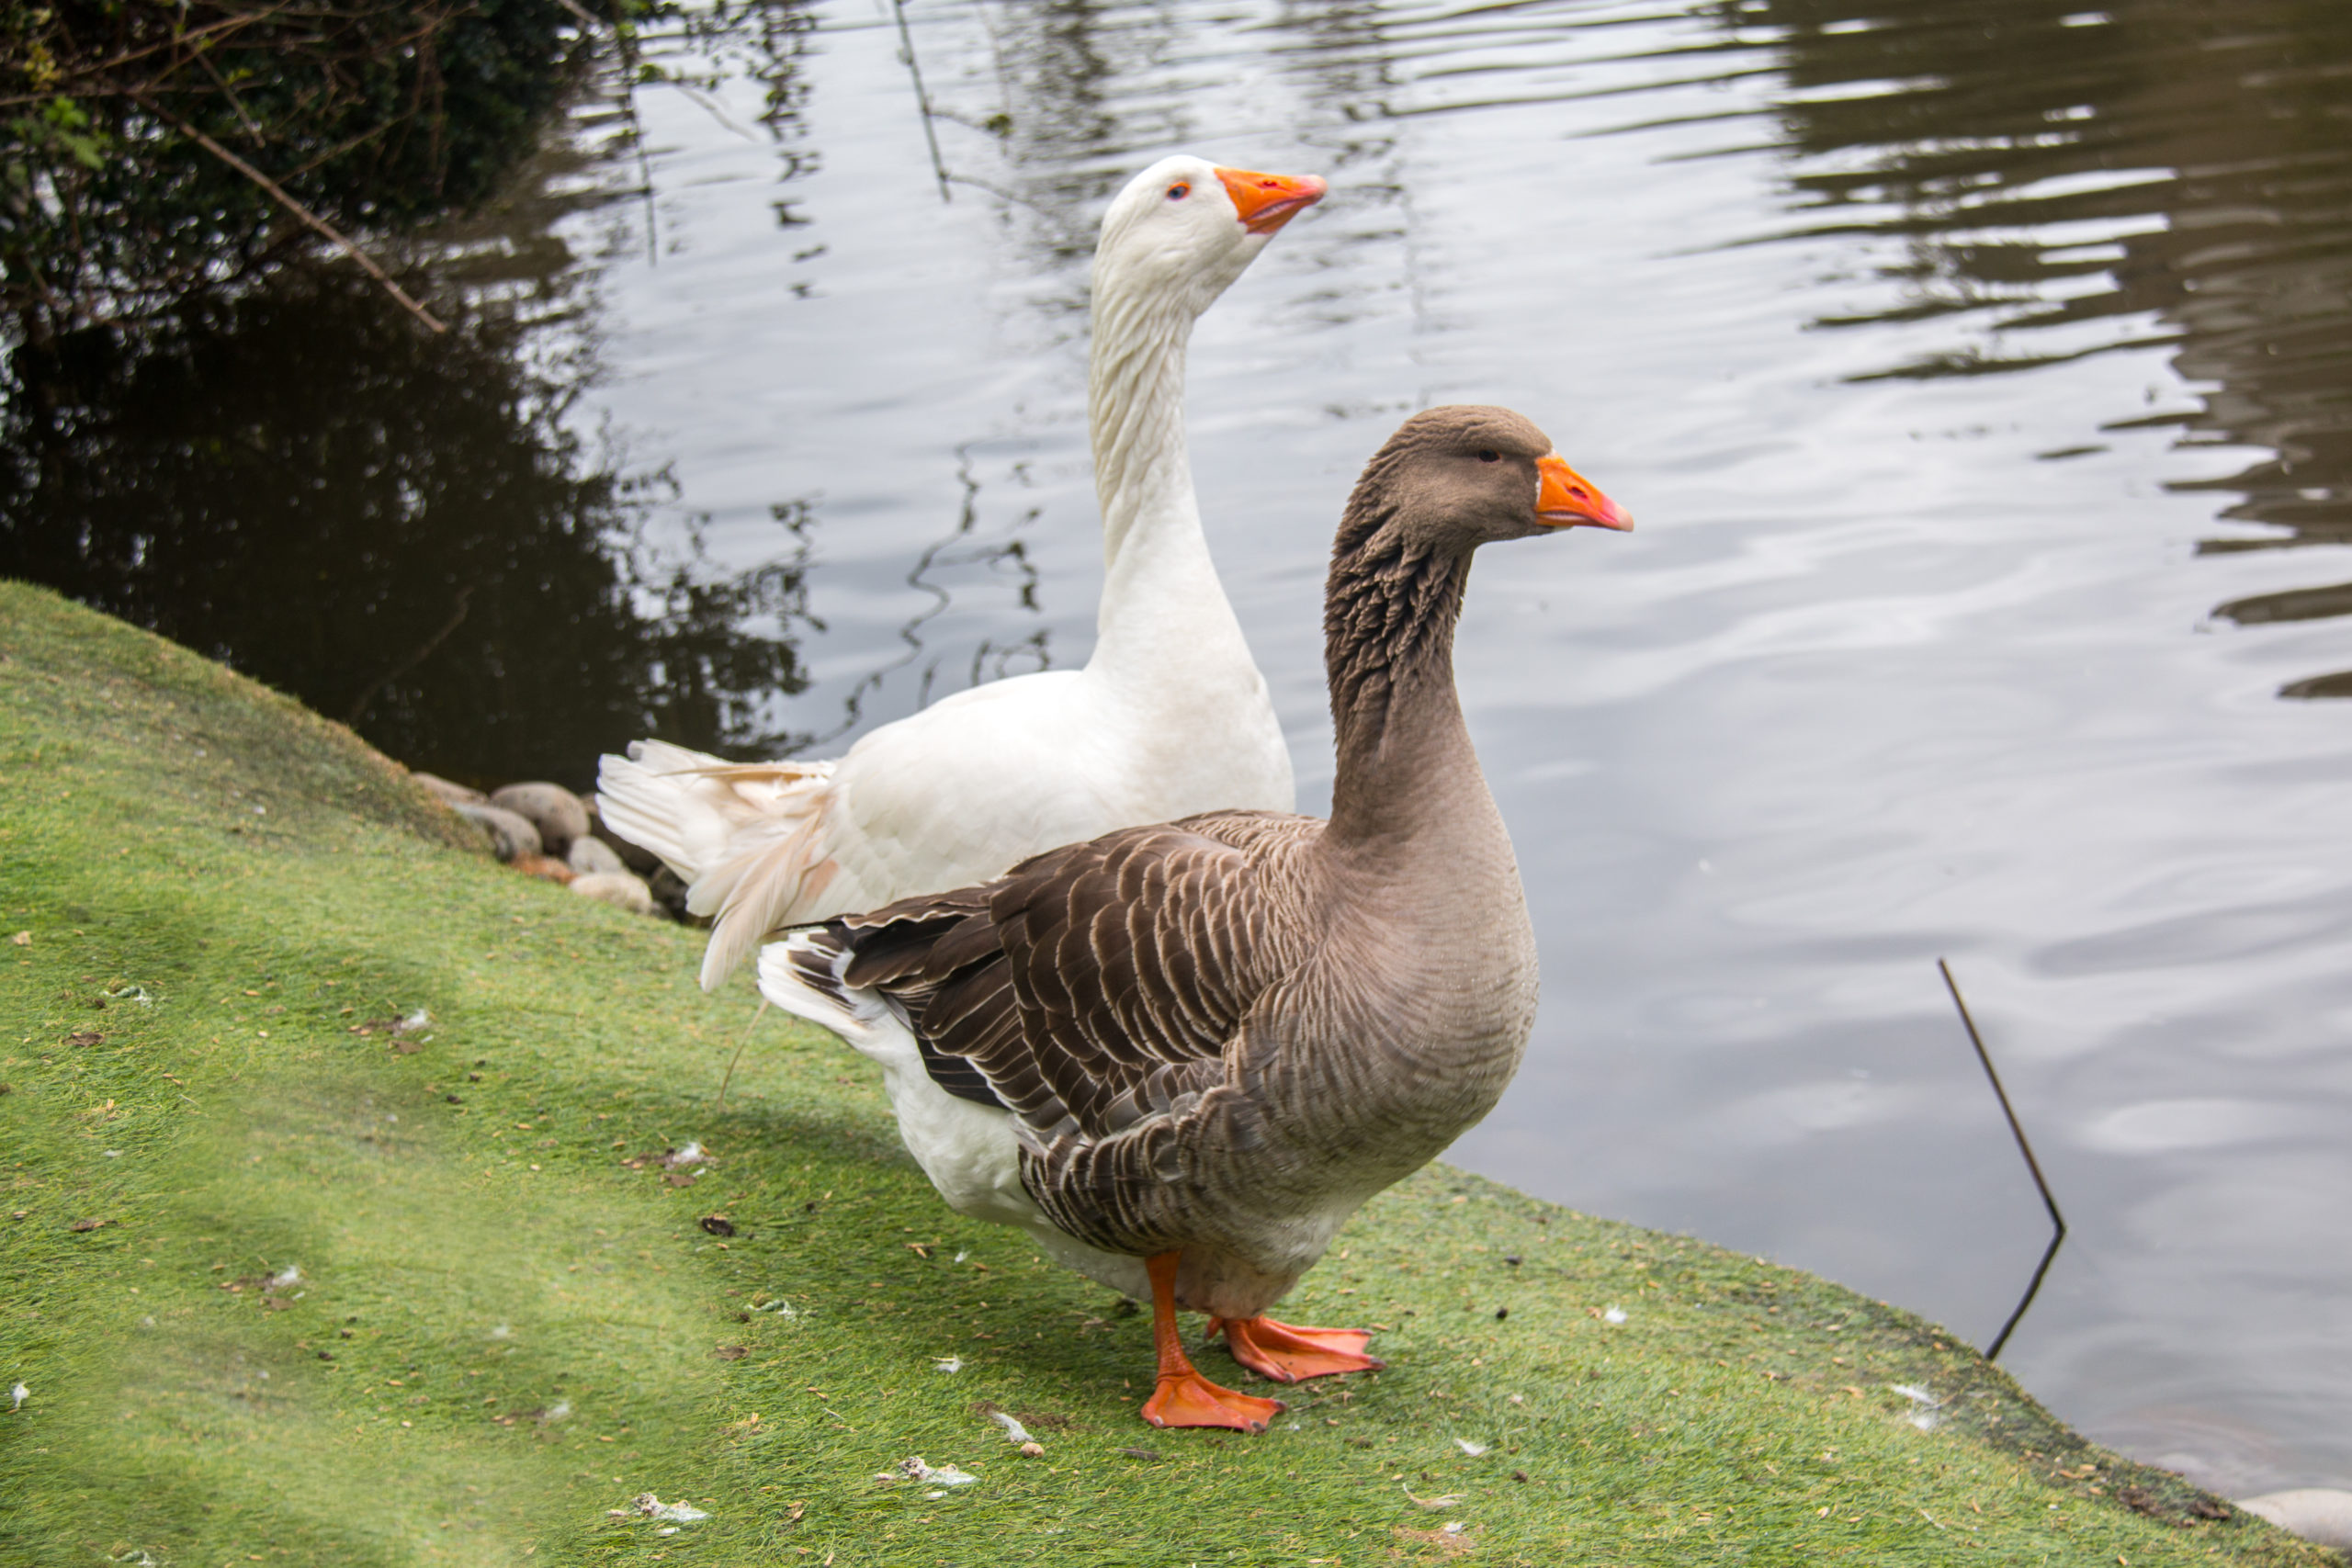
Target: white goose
1170,716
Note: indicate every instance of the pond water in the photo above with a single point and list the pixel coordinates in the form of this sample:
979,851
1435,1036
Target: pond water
1980,372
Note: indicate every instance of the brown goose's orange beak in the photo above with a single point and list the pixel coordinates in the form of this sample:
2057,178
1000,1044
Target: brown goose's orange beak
1268,201
1568,499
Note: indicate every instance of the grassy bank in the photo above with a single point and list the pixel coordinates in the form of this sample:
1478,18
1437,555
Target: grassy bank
284,1282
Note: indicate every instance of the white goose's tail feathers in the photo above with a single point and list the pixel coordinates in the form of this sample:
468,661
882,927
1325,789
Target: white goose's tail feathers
802,975
744,837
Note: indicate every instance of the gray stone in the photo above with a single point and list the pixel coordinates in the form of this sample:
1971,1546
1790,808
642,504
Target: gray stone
554,810
590,856
2321,1515
451,794
510,836
614,888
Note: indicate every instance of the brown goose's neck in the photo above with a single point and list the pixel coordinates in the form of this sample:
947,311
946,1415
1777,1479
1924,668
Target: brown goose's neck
1389,620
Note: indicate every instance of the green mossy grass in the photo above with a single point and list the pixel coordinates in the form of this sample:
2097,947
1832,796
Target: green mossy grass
507,1323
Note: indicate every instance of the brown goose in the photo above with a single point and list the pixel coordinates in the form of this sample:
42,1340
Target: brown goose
1181,1056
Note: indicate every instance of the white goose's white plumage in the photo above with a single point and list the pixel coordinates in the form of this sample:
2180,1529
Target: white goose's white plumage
1169,717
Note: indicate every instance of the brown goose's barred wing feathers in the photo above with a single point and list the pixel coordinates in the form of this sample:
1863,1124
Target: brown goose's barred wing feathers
1091,988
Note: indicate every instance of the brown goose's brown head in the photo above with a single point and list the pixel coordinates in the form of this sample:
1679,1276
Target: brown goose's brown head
1452,478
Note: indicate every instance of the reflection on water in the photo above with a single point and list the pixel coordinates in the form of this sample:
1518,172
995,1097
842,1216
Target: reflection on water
2060,181
1971,363
407,532
393,527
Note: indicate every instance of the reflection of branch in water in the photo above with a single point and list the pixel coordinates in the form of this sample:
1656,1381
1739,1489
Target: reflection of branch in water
424,651
923,99
918,576
1062,236
278,193
996,51
711,106
992,663
629,74
706,673
724,35
732,41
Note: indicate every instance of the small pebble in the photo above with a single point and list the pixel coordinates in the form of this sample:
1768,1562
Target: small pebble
618,888
590,856
448,793
511,837
554,811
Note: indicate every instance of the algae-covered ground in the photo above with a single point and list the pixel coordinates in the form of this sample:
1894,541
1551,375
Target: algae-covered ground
283,1279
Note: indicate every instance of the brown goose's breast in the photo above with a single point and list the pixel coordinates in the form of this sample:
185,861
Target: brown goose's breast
1379,1054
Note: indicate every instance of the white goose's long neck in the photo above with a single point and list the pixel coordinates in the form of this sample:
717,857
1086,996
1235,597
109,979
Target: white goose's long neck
1163,617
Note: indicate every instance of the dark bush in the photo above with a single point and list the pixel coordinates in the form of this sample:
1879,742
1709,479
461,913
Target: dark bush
401,529
372,114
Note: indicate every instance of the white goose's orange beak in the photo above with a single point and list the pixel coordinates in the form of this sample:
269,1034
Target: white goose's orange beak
1268,201
1568,499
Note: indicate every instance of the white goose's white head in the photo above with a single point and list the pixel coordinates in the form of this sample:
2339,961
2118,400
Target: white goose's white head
1184,229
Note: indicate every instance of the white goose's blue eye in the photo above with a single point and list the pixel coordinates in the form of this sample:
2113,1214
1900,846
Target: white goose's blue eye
1179,191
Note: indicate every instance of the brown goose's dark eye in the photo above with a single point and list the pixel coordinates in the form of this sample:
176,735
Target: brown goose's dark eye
1490,456
1179,191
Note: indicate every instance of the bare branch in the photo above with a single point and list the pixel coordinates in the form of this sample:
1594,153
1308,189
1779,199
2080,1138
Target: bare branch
366,262
226,23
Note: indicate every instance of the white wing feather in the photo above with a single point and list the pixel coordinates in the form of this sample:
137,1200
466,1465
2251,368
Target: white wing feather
953,794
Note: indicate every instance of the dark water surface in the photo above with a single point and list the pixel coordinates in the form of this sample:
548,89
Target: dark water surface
1980,371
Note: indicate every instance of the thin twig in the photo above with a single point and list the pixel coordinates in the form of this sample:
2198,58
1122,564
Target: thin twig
253,128
1064,235
226,23
339,149
2057,1221
366,262
739,1053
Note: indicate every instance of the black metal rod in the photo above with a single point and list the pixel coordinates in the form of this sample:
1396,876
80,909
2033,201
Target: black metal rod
2057,1220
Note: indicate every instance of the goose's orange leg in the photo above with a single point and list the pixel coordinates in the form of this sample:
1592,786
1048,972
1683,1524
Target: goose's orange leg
1287,1352
1183,1397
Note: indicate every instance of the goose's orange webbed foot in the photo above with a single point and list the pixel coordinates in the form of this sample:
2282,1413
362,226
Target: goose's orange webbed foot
1182,1397
1286,1352
1187,1399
